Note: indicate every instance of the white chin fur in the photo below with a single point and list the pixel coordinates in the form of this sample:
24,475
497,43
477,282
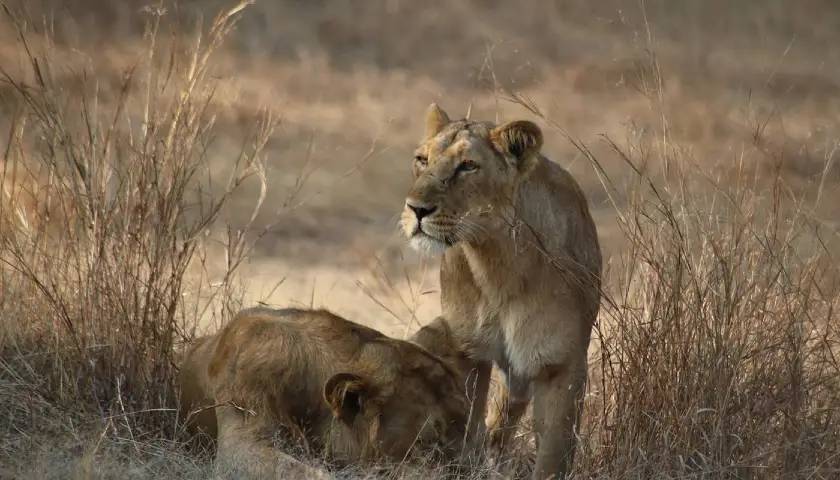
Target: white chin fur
426,244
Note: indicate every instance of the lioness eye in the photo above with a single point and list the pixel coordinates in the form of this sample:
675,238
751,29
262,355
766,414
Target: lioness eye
421,161
467,166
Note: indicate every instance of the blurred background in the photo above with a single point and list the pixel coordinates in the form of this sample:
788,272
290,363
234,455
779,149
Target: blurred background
703,133
734,84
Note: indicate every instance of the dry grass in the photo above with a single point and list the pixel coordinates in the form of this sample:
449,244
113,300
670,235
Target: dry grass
105,276
717,345
716,354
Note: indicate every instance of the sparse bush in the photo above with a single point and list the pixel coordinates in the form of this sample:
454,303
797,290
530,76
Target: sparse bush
718,338
718,351
102,267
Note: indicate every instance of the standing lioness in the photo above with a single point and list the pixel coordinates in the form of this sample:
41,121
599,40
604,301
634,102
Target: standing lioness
321,381
520,275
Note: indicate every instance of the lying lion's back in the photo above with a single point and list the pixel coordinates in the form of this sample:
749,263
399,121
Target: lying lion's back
319,326
297,349
196,391
264,356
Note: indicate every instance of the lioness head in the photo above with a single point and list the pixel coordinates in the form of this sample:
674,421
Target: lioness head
409,400
465,177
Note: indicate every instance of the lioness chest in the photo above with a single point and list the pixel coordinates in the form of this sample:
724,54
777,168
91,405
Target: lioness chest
524,317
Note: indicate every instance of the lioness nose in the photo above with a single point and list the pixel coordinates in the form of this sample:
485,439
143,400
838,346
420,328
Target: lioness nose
421,210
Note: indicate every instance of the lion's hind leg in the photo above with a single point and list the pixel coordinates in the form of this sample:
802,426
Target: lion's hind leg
506,410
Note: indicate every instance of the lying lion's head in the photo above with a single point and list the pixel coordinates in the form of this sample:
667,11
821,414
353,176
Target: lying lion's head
466,175
408,400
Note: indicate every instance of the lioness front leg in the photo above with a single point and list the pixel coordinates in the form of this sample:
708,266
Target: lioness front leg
245,450
558,396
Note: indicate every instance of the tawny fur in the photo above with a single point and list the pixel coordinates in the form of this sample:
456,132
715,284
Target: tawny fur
520,273
322,382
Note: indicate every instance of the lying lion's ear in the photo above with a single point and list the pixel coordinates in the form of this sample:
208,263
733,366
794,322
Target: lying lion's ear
345,393
519,141
436,119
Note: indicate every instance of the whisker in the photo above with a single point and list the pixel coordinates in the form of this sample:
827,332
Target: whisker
469,231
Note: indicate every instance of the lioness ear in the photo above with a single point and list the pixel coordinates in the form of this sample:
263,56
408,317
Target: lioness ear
519,141
345,393
436,119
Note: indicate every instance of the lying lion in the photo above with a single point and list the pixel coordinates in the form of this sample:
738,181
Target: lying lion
322,382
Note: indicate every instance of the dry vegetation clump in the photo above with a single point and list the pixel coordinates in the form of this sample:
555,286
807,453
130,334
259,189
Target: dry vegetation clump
103,276
718,342
717,352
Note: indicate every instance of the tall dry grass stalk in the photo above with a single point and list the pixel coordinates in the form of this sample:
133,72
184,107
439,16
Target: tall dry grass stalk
103,274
